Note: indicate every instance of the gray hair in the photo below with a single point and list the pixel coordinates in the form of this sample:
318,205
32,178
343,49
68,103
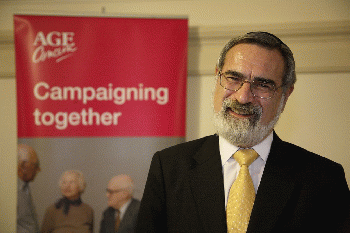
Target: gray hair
79,176
269,41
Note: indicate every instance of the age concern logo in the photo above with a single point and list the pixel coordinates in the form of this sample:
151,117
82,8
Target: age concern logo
53,45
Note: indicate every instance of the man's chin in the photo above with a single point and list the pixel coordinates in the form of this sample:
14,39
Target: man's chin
241,133
244,132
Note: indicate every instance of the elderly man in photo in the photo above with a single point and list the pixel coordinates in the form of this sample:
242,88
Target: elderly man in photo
121,214
245,178
28,167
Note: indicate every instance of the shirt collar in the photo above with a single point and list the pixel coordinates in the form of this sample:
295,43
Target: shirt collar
227,149
123,209
21,184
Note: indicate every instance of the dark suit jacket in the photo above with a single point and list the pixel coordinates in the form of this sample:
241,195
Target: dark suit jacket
128,223
299,191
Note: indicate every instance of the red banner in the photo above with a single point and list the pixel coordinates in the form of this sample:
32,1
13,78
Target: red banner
127,78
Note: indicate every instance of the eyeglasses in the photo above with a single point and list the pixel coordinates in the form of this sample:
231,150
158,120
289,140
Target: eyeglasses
259,87
110,191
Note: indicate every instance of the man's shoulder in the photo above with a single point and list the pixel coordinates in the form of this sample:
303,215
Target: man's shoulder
185,155
134,204
134,201
109,211
301,154
191,146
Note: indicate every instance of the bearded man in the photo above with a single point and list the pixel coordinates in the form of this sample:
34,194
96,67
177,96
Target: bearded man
245,178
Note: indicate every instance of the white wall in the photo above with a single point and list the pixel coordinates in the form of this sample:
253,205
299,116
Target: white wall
317,114
8,170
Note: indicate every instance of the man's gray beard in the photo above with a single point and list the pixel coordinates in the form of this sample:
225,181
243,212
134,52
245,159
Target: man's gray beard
243,132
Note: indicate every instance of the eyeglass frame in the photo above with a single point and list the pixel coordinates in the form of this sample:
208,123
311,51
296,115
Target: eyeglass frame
250,87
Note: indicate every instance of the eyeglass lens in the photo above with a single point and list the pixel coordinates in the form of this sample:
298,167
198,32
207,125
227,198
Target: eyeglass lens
259,87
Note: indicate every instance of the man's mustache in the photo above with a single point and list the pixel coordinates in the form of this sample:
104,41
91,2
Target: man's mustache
243,109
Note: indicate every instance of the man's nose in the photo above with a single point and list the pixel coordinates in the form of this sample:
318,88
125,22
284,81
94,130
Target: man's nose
244,94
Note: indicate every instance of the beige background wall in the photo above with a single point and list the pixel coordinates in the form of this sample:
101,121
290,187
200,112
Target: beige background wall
318,31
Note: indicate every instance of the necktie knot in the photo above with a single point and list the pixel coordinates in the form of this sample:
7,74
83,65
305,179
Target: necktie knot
245,156
25,186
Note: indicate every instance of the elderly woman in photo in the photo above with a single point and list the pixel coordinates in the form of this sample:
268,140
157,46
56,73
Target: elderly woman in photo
69,214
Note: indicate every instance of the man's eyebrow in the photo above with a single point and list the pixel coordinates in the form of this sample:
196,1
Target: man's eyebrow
264,80
256,78
234,73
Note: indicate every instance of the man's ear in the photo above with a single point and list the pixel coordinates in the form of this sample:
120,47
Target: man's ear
216,70
286,95
289,92
21,170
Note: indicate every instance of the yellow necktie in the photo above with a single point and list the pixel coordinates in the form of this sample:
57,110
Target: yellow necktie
242,194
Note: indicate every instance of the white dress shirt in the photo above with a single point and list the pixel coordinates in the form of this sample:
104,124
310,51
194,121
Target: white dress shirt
230,166
123,209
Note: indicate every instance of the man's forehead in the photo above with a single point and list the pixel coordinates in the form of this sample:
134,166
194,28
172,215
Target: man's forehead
113,183
253,53
69,176
120,180
26,153
254,60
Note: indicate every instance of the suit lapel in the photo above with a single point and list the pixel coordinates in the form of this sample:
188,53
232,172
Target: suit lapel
207,186
126,221
109,220
275,189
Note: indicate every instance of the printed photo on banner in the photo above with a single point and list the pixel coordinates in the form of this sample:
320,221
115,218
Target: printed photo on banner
96,98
